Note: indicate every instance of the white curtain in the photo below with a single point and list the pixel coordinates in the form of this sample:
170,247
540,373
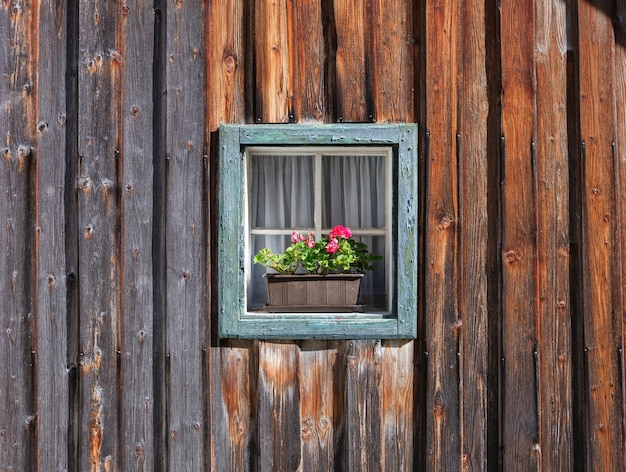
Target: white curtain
281,196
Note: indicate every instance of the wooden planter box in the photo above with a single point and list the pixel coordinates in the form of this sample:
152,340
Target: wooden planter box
313,293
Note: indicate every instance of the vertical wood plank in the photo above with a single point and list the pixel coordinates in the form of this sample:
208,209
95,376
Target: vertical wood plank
309,57
185,239
397,405
18,114
392,66
520,434
552,207
99,219
231,407
273,65
619,21
476,348
137,205
320,398
363,409
443,446
225,56
279,421
352,61
51,348
601,278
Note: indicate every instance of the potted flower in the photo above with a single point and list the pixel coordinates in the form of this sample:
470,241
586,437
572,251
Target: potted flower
323,275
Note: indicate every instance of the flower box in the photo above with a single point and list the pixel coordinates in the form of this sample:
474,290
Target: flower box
313,293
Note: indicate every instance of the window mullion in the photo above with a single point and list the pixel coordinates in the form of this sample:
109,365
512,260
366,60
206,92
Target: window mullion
317,212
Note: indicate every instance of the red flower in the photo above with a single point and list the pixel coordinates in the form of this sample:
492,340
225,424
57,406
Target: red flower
340,232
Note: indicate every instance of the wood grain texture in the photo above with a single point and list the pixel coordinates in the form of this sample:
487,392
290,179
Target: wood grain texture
552,295
308,52
442,414
601,277
475,347
137,185
392,52
226,56
272,55
520,433
352,61
321,402
18,114
185,325
51,367
100,86
278,408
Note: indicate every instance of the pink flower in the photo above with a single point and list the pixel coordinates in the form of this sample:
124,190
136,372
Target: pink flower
310,241
340,232
332,246
295,237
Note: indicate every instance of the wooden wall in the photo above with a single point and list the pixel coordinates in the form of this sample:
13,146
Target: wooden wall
109,114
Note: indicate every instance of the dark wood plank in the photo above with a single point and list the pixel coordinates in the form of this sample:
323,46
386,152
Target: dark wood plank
52,335
476,348
352,68
554,344
278,408
186,236
392,66
225,55
363,413
18,105
273,64
309,57
137,402
443,446
601,281
99,225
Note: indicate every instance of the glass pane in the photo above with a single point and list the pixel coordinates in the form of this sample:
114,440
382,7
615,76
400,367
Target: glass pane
354,191
281,191
373,286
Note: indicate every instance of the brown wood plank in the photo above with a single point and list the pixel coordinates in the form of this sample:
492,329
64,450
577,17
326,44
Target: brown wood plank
99,218
554,344
272,56
363,409
619,21
308,63
137,402
443,446
520,433
601,278
320,400
232,406
392,67
225,56
185,326
476,348
397,405
18,114
52,336
352,66
278,408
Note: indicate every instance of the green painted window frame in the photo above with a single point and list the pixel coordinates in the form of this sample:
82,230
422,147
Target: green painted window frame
234,321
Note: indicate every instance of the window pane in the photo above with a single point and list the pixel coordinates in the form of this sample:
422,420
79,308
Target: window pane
373,286
354,191
281,191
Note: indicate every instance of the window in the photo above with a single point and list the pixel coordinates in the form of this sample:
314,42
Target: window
274,179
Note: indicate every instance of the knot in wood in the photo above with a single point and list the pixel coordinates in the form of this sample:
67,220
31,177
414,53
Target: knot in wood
444,222
511,256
